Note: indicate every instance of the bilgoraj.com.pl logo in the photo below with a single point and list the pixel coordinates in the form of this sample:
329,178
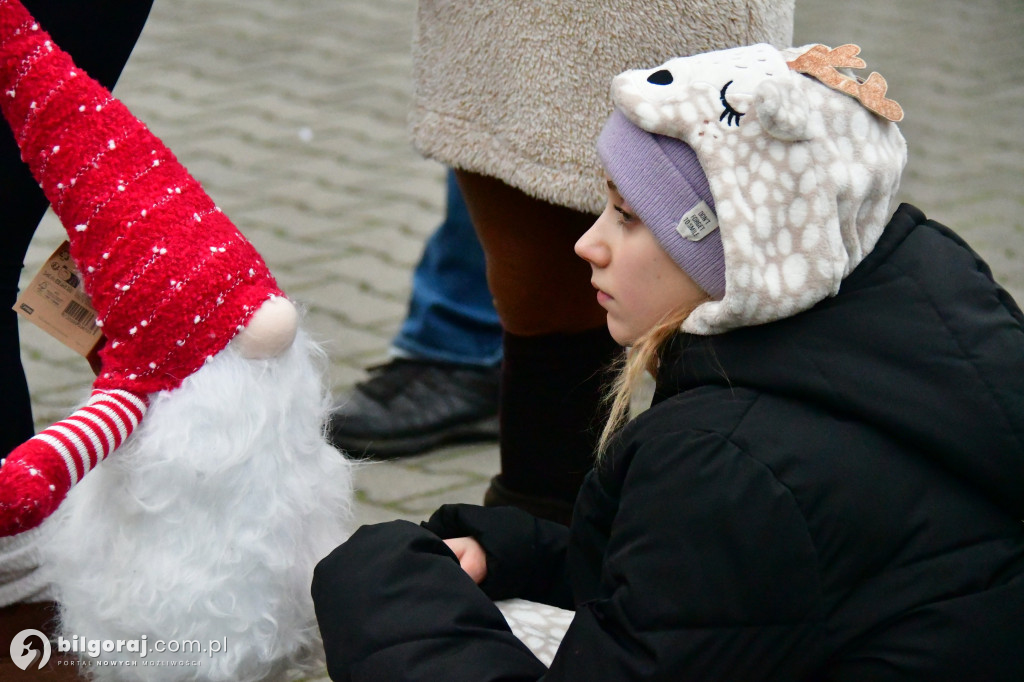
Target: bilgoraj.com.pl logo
29,646
32,648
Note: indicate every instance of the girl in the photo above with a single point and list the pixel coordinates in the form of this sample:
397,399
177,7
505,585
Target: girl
829,484
512,96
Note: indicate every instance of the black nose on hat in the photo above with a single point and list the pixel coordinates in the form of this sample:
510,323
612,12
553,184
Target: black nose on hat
662,77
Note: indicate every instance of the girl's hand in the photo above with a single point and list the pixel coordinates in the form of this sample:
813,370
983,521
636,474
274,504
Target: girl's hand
471,557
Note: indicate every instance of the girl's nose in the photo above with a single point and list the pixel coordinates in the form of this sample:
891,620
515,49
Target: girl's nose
591,248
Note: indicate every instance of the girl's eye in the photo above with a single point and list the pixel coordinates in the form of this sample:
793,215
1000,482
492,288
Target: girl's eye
624,217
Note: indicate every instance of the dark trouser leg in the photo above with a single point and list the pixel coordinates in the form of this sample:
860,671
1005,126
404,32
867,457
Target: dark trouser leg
550,416
555,346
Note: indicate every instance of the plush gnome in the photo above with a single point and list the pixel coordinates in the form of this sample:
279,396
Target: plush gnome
222,492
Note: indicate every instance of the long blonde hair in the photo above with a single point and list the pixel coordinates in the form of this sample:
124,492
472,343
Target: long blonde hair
642,358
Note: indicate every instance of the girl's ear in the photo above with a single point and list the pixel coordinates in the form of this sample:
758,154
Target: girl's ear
782,108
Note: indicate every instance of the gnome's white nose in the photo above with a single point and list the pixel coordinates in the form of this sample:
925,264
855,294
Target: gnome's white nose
270,331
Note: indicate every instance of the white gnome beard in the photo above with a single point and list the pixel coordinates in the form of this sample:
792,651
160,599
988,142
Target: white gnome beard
207,524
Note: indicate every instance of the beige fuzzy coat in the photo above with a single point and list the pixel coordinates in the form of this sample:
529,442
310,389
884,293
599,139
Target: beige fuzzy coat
519,89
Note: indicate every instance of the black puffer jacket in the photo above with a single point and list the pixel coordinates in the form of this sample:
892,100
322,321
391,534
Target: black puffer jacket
835,496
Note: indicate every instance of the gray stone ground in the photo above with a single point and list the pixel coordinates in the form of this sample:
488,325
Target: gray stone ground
292,114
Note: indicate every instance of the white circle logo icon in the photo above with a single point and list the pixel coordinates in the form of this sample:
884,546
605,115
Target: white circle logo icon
25,650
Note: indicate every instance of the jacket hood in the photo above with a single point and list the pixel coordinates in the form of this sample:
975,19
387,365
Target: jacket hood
920,343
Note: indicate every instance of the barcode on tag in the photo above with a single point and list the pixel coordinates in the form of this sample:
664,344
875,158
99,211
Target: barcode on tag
80,315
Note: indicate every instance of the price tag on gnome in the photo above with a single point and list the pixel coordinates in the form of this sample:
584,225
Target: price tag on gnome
698,222
56,303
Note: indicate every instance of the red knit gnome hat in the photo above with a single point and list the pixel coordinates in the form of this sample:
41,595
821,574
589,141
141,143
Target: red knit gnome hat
171,278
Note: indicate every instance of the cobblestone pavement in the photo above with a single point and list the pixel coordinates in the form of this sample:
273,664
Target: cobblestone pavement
292,114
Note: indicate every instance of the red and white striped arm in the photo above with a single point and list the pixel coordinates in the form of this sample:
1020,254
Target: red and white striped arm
36,477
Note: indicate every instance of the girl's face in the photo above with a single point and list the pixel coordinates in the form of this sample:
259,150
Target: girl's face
637,282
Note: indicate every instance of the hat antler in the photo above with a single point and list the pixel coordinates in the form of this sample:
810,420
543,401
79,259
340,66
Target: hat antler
822,63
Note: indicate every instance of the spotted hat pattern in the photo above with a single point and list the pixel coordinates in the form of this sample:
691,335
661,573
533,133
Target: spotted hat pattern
803,174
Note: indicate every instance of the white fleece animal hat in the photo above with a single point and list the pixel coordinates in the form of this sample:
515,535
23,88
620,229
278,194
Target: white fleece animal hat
803,163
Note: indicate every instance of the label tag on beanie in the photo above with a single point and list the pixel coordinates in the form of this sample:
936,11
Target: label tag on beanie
698,222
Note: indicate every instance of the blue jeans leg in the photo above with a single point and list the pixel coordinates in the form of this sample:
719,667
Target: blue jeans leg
451,315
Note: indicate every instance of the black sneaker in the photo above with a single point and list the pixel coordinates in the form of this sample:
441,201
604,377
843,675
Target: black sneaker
408,406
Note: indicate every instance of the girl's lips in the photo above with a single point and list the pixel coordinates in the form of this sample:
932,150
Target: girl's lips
602,297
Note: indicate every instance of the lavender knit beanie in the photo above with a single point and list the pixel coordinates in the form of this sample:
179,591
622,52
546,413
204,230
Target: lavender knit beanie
663,182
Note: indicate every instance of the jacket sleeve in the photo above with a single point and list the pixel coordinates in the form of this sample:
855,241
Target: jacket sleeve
709,573
393,603
525,555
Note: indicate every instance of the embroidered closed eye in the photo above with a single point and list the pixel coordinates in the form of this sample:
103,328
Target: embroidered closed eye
730,115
